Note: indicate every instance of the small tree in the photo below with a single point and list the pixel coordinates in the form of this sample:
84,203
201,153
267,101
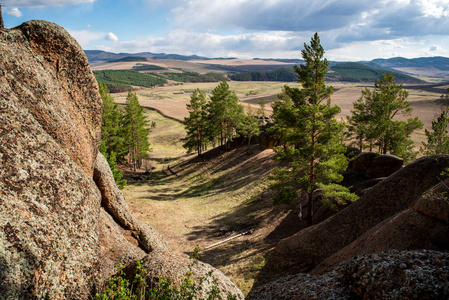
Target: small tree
437,139
225,114
136,128
315,152
111,125
373,119
250,126
196,124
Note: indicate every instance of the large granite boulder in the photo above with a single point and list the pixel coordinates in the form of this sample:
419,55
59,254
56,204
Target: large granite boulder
309,247
49,135
61,232
386,275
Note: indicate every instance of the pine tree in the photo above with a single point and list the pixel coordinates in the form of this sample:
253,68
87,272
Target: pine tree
112,143
373,118
111,125
196,124
315,152
438,138
225,114
250,126
136,128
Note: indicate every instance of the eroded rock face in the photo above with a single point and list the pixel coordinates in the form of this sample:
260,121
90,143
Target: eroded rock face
48,73
56,238
49,205
386,275
304,250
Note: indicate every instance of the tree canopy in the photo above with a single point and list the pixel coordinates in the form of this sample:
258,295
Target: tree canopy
305,120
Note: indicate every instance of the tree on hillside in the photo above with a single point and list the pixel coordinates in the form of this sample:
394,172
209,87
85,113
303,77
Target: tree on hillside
136,128
315,152
196,124
250,126
112,142
438,138
111,125
225,114
373,118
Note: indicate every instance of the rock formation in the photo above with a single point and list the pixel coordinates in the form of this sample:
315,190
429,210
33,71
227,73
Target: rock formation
61,232
386,275
306,249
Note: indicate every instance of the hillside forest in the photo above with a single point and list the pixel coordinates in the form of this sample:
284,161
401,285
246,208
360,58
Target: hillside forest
311,146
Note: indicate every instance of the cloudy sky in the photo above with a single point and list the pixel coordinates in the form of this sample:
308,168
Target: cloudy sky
349,29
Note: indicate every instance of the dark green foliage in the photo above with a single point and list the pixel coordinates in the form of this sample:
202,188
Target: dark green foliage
136,128
304,121
281,74
437,139
357,72
249,126
129,59
373,121
111,158
117,287
112,141
111,125
147,67
196,124
194,77
127,78
225,114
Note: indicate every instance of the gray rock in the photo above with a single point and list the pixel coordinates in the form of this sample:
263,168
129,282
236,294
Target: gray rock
386,275
306,249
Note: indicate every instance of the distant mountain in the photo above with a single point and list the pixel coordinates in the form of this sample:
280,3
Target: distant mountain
98,55
437,62
357,72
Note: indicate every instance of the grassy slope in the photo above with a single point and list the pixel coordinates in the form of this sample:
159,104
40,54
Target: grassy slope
211,199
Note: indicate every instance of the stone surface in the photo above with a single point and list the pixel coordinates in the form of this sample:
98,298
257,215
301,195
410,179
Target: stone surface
48,73
375,165
56,238
48,202
386,275
306,249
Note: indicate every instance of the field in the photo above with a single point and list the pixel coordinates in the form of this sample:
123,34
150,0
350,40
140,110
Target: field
194,201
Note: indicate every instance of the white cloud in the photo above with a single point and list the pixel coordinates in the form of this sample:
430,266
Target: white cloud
84,37
111,37
14,12
43,3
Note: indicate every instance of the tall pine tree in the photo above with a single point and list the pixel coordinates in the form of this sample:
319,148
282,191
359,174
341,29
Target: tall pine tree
112,142
196,124
306,116
374,118
136,128
225,114
438,138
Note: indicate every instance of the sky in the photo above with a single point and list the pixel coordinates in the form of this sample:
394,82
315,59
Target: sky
349,30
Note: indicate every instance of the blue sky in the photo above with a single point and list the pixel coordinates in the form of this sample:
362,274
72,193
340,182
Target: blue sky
349,29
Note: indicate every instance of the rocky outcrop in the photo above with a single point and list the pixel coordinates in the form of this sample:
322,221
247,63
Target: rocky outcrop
309,247
386,275
49,237
61,232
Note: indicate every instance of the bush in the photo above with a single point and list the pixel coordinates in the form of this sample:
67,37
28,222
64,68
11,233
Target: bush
119,288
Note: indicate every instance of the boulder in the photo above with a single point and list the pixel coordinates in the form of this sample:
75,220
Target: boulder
49,135
61,232
423,226
374,165
306,249
386,275
48,73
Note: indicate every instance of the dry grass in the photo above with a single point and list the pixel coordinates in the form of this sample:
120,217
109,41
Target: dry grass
223,194
210,199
